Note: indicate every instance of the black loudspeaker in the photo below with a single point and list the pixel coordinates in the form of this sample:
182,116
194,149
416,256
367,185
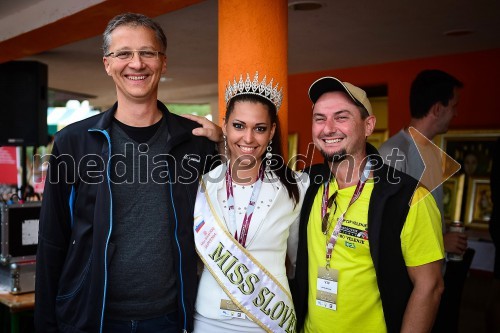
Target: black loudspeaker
23,103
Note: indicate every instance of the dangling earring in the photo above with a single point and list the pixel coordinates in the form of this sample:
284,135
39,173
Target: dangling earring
225,147
269,155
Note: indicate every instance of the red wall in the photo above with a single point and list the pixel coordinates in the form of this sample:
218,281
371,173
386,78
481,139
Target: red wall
478,106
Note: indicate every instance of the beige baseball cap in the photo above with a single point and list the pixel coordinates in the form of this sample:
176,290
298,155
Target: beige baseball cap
329,83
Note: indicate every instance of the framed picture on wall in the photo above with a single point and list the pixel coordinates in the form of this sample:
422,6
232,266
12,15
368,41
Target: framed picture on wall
479,204
471,148
453,189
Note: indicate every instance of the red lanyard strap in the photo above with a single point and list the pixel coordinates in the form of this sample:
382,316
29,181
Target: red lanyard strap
357,193
250,208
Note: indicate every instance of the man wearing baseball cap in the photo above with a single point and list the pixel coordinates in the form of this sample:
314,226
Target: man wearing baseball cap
370,247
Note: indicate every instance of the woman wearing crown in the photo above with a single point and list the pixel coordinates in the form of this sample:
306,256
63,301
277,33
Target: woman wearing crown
246,220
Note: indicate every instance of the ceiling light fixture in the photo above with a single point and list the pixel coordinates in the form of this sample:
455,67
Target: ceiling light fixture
305,5
458,32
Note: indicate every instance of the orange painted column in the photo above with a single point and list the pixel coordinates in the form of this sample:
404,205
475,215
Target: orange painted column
253,36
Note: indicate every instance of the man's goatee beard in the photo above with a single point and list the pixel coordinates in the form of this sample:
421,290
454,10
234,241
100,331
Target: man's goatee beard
335,157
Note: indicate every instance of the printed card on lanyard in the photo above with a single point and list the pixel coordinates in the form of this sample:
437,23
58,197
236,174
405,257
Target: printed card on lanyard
327,284
229,309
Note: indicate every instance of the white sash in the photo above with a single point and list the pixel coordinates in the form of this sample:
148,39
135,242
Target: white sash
249,285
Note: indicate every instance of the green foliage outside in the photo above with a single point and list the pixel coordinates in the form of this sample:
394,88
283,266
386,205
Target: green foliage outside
196,109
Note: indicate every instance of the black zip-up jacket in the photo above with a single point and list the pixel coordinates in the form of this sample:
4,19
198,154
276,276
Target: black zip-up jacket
76,222
386,217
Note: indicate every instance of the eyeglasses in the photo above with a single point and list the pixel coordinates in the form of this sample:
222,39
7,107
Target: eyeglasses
129,54
325,223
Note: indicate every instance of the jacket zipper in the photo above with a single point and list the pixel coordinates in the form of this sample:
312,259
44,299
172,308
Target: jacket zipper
72,204
106,134
180,251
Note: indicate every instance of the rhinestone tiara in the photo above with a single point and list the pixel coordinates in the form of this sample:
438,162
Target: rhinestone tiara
255,88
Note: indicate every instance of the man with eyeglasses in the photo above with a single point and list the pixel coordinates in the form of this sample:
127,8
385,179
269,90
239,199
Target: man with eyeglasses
116,250
367,260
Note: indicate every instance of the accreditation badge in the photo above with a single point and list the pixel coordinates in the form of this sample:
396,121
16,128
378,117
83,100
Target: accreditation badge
326,284
229,309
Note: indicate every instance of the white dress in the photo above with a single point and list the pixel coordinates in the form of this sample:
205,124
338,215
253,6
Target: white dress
273,232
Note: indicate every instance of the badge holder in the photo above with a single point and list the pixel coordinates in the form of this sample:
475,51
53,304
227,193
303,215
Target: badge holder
229,309
327,287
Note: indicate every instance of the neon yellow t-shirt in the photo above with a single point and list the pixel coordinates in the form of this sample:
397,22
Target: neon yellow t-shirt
359,308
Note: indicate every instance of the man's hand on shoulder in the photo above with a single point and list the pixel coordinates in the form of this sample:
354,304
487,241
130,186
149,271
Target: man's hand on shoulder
209,129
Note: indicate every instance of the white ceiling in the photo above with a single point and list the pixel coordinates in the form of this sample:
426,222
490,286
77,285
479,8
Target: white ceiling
341,34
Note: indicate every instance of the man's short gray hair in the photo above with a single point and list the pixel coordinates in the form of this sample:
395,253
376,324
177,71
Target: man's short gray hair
133,20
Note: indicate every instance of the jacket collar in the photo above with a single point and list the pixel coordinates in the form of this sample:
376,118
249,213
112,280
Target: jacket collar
373,153
177,132
105,121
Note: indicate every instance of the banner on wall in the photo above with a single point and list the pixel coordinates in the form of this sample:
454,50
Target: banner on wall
8,165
